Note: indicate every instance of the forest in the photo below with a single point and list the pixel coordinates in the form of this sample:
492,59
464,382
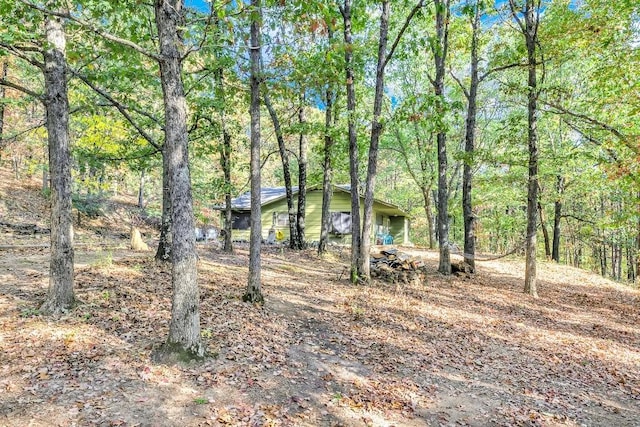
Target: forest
505,129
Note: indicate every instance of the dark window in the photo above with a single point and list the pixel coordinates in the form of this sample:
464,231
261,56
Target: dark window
341,222
241,221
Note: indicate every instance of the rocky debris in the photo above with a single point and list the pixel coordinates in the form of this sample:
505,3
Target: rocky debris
394,266
23,229
461,269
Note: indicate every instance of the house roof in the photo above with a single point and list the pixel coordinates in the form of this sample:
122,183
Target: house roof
272,194
267,195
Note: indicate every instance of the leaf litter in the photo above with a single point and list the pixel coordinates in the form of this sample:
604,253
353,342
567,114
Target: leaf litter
448,351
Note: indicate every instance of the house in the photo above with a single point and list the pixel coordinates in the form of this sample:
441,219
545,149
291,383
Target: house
391,224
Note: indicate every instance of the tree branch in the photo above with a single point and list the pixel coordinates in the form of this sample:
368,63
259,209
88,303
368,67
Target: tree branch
457,80
121,108
99,31
19,88
500,68
407,21
20,54
586,118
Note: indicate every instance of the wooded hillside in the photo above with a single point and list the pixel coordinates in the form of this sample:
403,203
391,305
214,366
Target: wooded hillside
321,352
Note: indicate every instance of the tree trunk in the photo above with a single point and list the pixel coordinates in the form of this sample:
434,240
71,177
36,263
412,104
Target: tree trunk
557,216
469,218
638,244
545,232
61,295
440,55
530,31
353,142
327,175
163,254
426,196
183,342
302,182
286,169
3,76
225,163
469,148
376,131
253,293
141,189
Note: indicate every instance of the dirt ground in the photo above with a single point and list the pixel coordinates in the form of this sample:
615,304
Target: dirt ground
449,351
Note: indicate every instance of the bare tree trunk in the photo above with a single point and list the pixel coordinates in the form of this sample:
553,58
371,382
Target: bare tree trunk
353,142
638,244
141,189
225,163
545,232
61,295
183,342
3,76
302,182
286,169
254,292
163,254
557,216
376,131
440,55
469,147
328,172
530,31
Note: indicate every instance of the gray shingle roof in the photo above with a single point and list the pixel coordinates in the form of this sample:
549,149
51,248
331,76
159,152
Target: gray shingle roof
267,194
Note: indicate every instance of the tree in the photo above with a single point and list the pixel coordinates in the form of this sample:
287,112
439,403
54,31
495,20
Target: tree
253,292
439,48
60,296
345,9
4,67
184,330
529,29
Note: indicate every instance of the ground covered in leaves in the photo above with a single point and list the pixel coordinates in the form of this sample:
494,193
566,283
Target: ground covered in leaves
449,351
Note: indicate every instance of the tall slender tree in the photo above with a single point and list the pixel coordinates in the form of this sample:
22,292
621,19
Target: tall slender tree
527,17
354,163
254,288
440,47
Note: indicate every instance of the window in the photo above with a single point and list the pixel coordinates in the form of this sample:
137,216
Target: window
241,221
280,219
340,223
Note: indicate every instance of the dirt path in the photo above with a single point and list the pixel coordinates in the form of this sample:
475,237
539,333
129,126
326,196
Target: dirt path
321,352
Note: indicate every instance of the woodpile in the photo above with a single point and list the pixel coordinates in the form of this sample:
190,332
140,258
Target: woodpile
394,266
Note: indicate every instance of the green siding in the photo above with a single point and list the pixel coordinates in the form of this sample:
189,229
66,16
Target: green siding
340,202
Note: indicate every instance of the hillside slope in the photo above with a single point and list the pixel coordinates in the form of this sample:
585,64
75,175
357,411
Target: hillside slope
322,352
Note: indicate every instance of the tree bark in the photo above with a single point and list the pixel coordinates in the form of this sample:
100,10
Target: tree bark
557,216
286,169
225,163
376,131
183,342
440,55
60,296
545,232
328,171
302,182
638,242
469,148
163,254
353,142
141,189
253,293
530,31
3,76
